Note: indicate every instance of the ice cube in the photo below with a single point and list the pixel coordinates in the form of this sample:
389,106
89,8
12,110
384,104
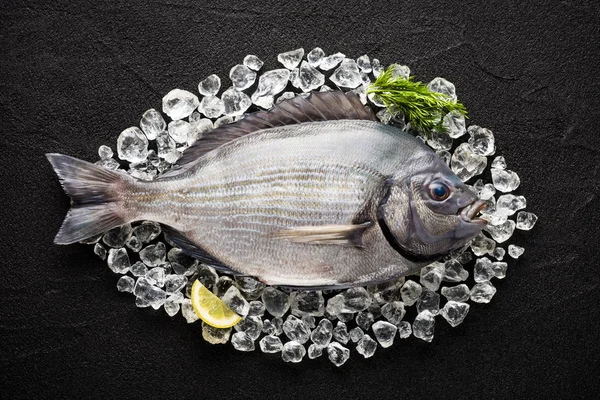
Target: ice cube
499,268
145,290
501,233
505,180
309,78
250,287
270,344
139,269
178,104
109,163
100,251
400,71
212,107
224,120
269,84
291,59
454,271
276,302
295,329
393,312
118,260
125,284
322,334
454,312
454,124
152,123
487,191
337,353
235,102
156,276
431,275
482,292
171,306
508,204
482,245
377,68
457,293
315,56
134,244
404,329
215,335
308,302
210,86
222,285
294,79
285,96
132,145
355,299
429,301
465,163
331,61
499,162
257,308
410,292
439,141
356,334
384,333
515,251
364,319
346,75
441,85
340,333
366,346
242,342
252,325
234,300
498,253
174,283
309,321
293,352
314,351
200,127
481,140
154,255
105,152
526,220
483,270
242,77
423,326
187,310
325,88
179,130
253,62
364,63
167,148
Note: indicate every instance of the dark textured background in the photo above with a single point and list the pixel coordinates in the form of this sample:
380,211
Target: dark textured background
74,74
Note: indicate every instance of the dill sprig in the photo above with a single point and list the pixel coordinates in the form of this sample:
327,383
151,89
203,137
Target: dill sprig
422,108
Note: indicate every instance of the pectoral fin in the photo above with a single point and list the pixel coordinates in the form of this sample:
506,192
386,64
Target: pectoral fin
345,235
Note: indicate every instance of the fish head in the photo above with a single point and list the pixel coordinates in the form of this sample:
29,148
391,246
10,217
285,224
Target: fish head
430,212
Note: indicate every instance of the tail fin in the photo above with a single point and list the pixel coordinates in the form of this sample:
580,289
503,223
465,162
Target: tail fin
94,192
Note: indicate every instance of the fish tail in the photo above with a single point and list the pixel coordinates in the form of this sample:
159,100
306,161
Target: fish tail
95,198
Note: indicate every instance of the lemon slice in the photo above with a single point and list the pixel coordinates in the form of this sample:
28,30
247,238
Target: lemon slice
211,309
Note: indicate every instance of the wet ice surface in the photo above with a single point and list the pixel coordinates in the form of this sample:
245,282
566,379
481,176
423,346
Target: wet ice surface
303,325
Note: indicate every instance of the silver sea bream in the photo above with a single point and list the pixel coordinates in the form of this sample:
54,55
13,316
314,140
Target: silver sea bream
314,193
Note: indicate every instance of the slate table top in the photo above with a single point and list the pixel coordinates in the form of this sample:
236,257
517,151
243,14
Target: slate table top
73,75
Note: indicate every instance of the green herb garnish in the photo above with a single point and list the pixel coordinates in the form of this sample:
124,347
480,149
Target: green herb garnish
421,107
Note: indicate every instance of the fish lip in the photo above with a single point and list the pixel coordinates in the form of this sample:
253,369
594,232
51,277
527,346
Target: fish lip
469,212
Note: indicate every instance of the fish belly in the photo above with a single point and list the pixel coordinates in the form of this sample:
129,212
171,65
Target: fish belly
311,174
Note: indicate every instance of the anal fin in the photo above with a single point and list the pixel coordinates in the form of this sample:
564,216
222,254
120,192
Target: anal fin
344,235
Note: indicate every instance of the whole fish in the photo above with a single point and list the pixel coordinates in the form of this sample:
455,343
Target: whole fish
314,193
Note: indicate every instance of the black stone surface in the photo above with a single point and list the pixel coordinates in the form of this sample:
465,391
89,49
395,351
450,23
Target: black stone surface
74,74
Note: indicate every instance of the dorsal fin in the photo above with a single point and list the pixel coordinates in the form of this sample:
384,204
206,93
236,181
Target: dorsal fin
321,106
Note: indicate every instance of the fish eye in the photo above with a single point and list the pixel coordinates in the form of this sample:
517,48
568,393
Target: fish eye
439,191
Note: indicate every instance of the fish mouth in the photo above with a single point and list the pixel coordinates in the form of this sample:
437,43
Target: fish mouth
469,213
